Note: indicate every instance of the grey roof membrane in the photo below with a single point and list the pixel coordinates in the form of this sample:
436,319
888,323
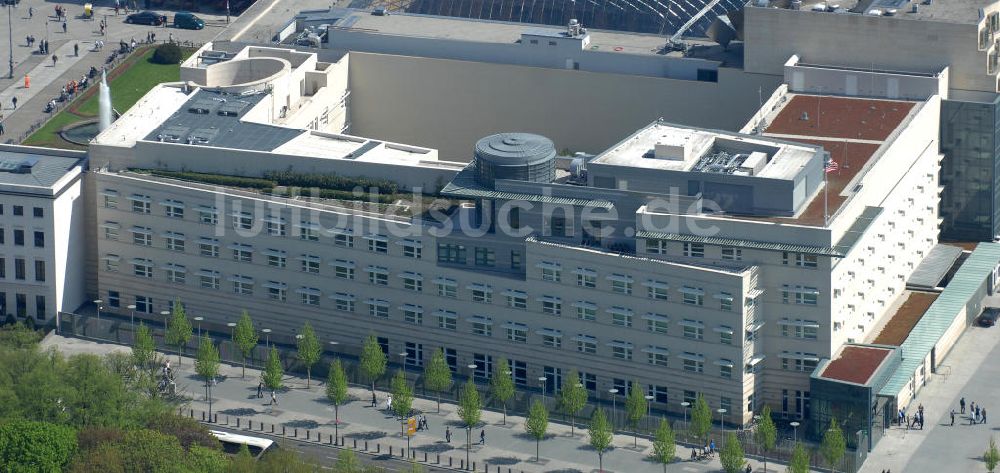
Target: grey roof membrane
213,119
934,266
34,170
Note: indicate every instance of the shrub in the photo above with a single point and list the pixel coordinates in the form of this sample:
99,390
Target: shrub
167,53
219,179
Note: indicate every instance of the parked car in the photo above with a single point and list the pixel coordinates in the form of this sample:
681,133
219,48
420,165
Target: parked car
381,11
188,21
988,318
145,18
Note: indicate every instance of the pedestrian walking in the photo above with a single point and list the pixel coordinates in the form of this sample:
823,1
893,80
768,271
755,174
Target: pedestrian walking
2,130
64,27
274,399
447,430
54,57
76,49
31,12
953,417
260,390
152,37
482,437
374,400
961,404
13,102
982,415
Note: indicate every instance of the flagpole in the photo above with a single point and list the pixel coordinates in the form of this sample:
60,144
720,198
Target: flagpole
227,11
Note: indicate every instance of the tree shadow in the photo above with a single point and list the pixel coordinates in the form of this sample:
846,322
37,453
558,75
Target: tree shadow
437,447
302,424
502,461
371,435
239,412
527,436
564,470
588,448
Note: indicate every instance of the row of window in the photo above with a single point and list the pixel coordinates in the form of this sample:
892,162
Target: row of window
18,211
697,250
21,305
19,237
20,269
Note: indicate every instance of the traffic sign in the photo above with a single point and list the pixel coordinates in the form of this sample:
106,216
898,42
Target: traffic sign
411,426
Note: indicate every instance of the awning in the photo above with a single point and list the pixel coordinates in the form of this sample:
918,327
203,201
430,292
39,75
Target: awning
241,279
309,291
799,323
377,270
656,317
513,293
691,323
692,290
240,246
377,302
172,203
585,338
275,285
619,278
754,293
655,350
723,296
445,314
479,287
208,273
756,326
548,332
585,305
113,225
173,235
175,267
548,265
376,237
141,230
274,252
933,268
756,359
724,362
410,242
140,198
341,296
549,299
207,209
411,308
799,356
411,275
342,264
475,319
656,284
585,272
274,219
208,241
114,258
619,344
342,231
142,261
237,213
691,356
109,193
309,258
619,311
723,329
515,326
446,282
800,290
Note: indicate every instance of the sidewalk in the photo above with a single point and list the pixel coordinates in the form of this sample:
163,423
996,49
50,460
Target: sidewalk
506,445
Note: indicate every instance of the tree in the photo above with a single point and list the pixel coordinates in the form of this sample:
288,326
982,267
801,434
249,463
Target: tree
245,338
309,350
991,456
373,361
402,395
766,434
273,373
600,435
664,445
29,446
800,460
536,424
635,408
167,53
207,366
470,411
701,419
336,391
731,455
833,445
437,375
143,348
502,385
572,398
179,329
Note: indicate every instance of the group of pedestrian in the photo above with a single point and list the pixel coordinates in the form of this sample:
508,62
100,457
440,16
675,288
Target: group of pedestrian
43,45
422,422
60,13
150,37
260,394
918,419
103,25
121,6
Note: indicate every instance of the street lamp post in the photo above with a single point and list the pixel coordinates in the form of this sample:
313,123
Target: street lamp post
333,346
165,314
649,402
267,336
232,335
10,34
722,422
542,380
614,407
795,431
98,303
199,319
685,405
131,311
472,369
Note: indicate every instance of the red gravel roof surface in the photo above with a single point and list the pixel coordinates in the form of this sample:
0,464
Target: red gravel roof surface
855,364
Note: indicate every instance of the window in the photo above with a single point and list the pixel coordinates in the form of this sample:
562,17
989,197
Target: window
656,355
557,226
589,382
798,328
110,198
799,295
39,239
514,218
690,396
343,302
694,250
551,338
276,226
176,274
412,249
310,263
22,305
657,323
173,208
485,257
413,282
114,299
144,304
38,212
19,269
802,260
517,300
693,329
18,237
657,290
586,310
656,247
308,231
451,253
242,220
343,269
732,254
725,369
621,316
517,332
378,275
142,236
208,247
209,279
726,403
446,319
142,268
242,253
446,287
659,393
309,295
621,283
343,239
378,308
243,285
414,354
484,365
175,241
693,362
482,294
277,291
586,344
586,277
799,361
725,301
208,215
451,357
550,272
19,210
482,326
140,203
693,295
40,271
3,273
622,350
551,305
516,259
378,244
276,258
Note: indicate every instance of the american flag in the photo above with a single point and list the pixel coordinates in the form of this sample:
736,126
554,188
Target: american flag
831,166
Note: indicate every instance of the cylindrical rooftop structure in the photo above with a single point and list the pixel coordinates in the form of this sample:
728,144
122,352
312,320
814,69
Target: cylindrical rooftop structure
515,156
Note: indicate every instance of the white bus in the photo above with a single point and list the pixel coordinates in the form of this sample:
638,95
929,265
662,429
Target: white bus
231,443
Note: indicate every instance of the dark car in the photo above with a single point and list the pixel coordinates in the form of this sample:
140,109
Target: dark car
988,318
188,21
145,18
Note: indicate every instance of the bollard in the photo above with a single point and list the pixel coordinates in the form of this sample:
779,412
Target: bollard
425,457
331,440
295,432
390,450
249,424
356,445
272,428
308,434
462,463
203,416
262,426
282,430
227,419
366,445
473,466
237,422
378,448
449,461
191,413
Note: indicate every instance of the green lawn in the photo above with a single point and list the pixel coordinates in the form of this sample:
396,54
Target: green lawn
139,77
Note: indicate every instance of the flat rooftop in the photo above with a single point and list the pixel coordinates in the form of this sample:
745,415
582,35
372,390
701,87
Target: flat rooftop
642,150
856,364
901,323
951,11
24,171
